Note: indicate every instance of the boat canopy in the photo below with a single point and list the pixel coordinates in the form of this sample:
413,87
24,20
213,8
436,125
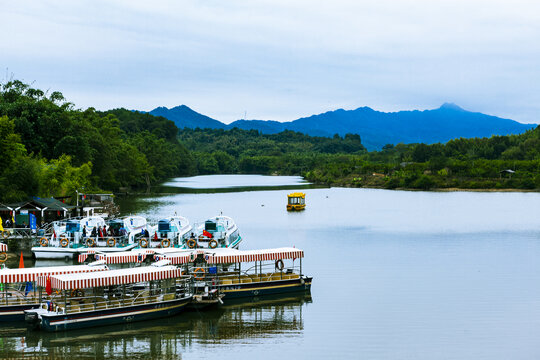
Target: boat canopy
119,257
122,257
111,277
33,274
229,255
3,247
182,257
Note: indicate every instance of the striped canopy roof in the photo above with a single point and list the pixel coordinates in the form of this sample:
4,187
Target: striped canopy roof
119,257
181,257
122,257
3,247
224,256
111,277
32,274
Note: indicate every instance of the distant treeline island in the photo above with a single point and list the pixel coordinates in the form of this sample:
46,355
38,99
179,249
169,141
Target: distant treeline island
48,147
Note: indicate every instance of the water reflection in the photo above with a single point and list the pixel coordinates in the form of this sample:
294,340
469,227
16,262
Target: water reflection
169,338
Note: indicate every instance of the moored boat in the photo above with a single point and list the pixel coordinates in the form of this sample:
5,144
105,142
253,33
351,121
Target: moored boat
217,232
18,287
170,232
267,271
114,297
296,201
67,238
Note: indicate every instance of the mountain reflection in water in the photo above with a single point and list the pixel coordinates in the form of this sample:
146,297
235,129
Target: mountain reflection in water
164,338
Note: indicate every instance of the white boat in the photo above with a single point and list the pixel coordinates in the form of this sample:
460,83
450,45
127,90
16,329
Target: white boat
129,229
170,232
68,241
217,232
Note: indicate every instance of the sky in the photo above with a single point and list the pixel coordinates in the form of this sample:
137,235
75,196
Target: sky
278,59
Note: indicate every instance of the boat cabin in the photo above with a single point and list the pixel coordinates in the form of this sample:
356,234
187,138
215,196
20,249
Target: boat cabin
296,201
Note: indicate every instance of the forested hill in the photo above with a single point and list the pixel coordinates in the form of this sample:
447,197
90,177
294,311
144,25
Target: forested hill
49,148
498,162
374,127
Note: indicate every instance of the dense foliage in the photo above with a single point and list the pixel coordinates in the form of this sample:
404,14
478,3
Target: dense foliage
49,148
251,152
479,163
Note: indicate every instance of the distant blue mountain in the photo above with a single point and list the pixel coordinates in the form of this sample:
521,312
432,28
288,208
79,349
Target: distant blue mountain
374,127
183,117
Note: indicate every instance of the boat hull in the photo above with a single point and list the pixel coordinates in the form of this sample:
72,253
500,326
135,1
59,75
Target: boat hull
15,313
244,290
50,322
55,253
49,252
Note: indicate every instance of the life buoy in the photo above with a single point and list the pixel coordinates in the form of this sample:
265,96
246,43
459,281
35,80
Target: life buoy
213,244
77,293
43,242
3,257
165,243
143,242
192,243
90,242
279,264
64,242
198,273
111,242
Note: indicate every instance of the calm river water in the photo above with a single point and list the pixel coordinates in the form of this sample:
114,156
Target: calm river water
397,275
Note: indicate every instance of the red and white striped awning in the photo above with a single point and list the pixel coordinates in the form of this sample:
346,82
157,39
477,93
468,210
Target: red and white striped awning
225,256
32,274
111,277
83,257
176,259
3,247
122,257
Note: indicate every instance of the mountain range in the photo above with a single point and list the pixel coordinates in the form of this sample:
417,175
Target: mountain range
375,128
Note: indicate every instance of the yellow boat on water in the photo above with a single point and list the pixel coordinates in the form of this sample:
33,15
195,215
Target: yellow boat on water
296,201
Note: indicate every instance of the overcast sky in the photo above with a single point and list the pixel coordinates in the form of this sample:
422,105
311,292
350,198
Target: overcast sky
279,59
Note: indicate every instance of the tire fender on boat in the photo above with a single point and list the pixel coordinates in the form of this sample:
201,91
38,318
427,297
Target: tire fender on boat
198,273
64,242
111,242
90,242
192,243
3,257
279,264
165,243
143,242
213,244
43,242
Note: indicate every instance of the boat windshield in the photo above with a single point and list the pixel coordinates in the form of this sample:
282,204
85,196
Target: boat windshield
164,226
210,226
116,225
72,226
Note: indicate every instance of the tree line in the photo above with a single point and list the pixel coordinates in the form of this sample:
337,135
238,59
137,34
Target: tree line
50,148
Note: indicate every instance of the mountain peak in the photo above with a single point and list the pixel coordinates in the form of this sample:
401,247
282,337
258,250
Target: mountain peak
451,106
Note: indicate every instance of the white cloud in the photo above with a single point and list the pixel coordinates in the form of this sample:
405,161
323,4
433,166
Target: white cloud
280,59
